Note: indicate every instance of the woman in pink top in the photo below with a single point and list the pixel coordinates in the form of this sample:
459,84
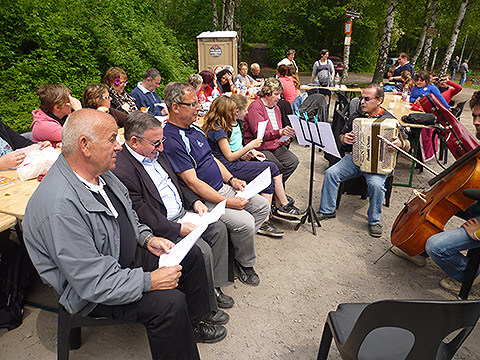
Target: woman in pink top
289,90
56,104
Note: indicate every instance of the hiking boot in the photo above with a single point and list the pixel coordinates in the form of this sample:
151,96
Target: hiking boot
454,285
321,216
417,260
375,230
269,229
289,211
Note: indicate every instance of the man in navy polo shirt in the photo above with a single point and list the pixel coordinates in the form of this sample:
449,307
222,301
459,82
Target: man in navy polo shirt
145,95
403,64
191,157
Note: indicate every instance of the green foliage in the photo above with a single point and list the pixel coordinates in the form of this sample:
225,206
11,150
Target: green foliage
74,42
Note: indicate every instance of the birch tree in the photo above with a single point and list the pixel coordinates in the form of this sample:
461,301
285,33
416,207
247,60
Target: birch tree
423,33
228,12
385,42
428,43
453,39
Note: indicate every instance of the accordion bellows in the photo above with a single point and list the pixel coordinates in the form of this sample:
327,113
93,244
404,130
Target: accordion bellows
369,152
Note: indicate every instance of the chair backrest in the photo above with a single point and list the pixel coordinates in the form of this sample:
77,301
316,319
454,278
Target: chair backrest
429,322
314,104
341,102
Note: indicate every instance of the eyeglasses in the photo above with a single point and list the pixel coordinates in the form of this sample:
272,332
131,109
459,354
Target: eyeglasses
155,144
107,97
367,98
119,82
193,105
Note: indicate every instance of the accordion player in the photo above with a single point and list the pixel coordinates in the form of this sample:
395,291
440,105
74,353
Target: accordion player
369,153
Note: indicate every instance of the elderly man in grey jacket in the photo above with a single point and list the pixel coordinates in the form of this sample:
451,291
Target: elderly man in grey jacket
86,242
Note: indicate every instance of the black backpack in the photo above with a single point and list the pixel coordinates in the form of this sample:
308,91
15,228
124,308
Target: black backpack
15,279
314,105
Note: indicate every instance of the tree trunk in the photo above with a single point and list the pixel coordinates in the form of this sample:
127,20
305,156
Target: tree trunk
228,14
385,42
428,42
453,39
346,57
215,15
473,47
423,33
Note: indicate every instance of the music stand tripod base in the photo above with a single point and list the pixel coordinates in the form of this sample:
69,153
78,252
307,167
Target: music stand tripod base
311,216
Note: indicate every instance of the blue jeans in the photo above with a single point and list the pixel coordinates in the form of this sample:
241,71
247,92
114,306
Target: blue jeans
343,170
463,78
444,248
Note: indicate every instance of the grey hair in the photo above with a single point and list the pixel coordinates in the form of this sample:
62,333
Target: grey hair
195,80
174,92
138,122
151,73
270,86
81,123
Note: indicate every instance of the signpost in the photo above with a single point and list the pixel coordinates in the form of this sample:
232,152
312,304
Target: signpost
353,15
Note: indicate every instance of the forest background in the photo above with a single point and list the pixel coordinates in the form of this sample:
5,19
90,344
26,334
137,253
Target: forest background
74,42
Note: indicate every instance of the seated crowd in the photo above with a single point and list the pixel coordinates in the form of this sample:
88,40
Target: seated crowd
123,205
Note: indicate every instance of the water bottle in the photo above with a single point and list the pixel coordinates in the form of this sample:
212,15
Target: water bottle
238,85
405,93
215,93
201,97
243,89
337,80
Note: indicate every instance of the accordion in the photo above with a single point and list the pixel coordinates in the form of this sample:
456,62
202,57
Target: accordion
369,152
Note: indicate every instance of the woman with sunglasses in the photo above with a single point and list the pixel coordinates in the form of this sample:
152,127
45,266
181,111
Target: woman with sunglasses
96,96
116,79
448,88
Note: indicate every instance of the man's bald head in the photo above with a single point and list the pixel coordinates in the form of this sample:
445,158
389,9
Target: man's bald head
84,122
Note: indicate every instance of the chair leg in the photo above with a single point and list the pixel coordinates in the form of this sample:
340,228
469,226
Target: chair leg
388,192
325,343
339,193
75,338
63,334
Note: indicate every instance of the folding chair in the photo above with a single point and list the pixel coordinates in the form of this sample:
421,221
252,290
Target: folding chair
399,329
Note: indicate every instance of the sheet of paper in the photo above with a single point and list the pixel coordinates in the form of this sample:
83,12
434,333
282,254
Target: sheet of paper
181,249
298,130
256,185
283,138
262,126
328,140
207,218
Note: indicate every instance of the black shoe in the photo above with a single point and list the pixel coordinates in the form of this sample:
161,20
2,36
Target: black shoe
209,334
220,317
289,211
275,215
322,216
223,301
247,275
269,229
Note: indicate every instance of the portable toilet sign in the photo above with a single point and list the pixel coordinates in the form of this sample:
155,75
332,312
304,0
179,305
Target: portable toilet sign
217,48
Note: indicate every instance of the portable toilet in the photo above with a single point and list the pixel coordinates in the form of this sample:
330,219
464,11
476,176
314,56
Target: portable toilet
217,48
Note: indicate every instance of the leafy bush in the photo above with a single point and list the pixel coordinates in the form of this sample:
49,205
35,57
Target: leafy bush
74,42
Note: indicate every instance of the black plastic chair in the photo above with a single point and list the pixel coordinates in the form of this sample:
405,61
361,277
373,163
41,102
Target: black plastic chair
69,336
457,110
399,329
358,186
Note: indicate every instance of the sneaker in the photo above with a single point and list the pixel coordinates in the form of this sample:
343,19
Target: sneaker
247,275
269,229
209,334
290,211
275,215
218,317
455,285
223,301
417,260
321,216
375,230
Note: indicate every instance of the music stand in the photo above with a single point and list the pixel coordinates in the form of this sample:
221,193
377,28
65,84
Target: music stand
317,134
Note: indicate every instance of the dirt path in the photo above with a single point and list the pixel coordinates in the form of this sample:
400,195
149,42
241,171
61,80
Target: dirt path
303,277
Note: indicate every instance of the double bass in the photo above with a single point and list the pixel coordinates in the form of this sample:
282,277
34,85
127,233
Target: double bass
428,212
